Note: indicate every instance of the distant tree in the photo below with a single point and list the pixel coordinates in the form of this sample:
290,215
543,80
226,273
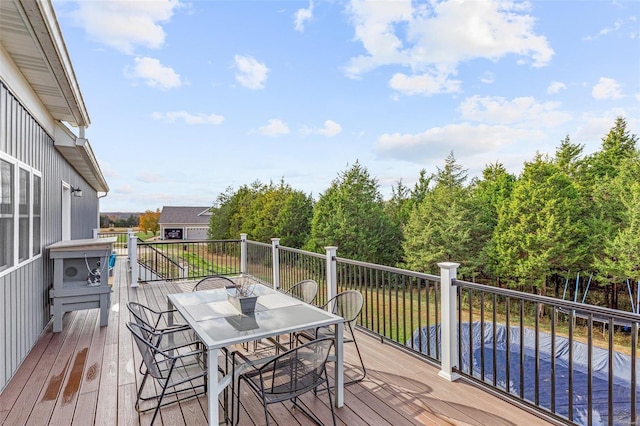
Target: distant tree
293,224
606,180
621,258
220,219
488,196
234,212
568,157
149,221
420,189
263,212
398,207
438,228
616,147
280,211
613,220
350,215
539,230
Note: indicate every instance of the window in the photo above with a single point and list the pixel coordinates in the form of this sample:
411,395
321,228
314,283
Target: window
6,214
24,192
20,212
37,213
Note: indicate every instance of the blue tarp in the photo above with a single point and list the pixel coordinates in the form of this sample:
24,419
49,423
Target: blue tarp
600,367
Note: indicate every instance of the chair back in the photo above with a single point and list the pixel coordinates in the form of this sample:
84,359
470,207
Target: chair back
213,282
298,370
142,315
305,290
348,304
147,342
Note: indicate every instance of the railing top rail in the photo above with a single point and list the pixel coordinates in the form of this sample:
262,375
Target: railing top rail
258,243
150,243
308,253
558,303
389,269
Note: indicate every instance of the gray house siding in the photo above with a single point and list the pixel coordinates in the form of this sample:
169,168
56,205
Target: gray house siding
24,298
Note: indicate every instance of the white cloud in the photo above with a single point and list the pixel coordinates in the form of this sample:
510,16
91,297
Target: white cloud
435,39
331,128
607,88
424,84
555,87
487,78
435,143
188,118
250,73
595,126
124,25
302,16
274,128
617,26
155,74
523,111
493,129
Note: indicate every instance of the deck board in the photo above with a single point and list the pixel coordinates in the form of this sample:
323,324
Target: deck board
88,374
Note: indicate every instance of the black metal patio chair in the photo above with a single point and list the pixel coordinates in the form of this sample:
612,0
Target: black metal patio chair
213,282
157,320
287,376
305,290
347,304
177,334
180,373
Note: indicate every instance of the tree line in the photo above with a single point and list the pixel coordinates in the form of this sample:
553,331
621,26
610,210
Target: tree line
566,213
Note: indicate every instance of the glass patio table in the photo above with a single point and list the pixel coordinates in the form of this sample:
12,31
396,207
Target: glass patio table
218,324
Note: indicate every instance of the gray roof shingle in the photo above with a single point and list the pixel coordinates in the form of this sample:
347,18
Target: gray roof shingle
184,215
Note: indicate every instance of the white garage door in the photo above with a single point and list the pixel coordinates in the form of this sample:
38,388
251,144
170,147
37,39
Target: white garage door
197,233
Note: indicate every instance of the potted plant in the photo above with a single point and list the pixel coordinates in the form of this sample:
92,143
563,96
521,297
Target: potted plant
241,296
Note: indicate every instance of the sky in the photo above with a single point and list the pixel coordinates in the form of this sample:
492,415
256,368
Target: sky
190,98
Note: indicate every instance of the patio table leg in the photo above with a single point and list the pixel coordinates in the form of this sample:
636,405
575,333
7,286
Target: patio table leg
213,386
339,368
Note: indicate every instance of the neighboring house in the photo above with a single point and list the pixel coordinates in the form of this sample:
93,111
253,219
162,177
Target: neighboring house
184,223
50,181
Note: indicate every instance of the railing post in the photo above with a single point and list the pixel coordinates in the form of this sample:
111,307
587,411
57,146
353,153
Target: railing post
95,233
332,276
243,254
449,329
275,245
133,258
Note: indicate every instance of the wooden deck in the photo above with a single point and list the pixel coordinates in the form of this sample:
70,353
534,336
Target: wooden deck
87,375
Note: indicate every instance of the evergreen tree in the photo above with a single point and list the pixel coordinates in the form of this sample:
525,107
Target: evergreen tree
294,219
608,175
439,227
539,230
488,196
621,258
568,157
350,215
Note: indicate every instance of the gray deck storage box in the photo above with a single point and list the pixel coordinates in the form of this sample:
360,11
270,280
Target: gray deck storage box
81,277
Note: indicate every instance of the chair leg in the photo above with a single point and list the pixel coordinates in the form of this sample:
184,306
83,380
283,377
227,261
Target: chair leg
266,410
157,410
364,370
333,413
237,399
139,396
